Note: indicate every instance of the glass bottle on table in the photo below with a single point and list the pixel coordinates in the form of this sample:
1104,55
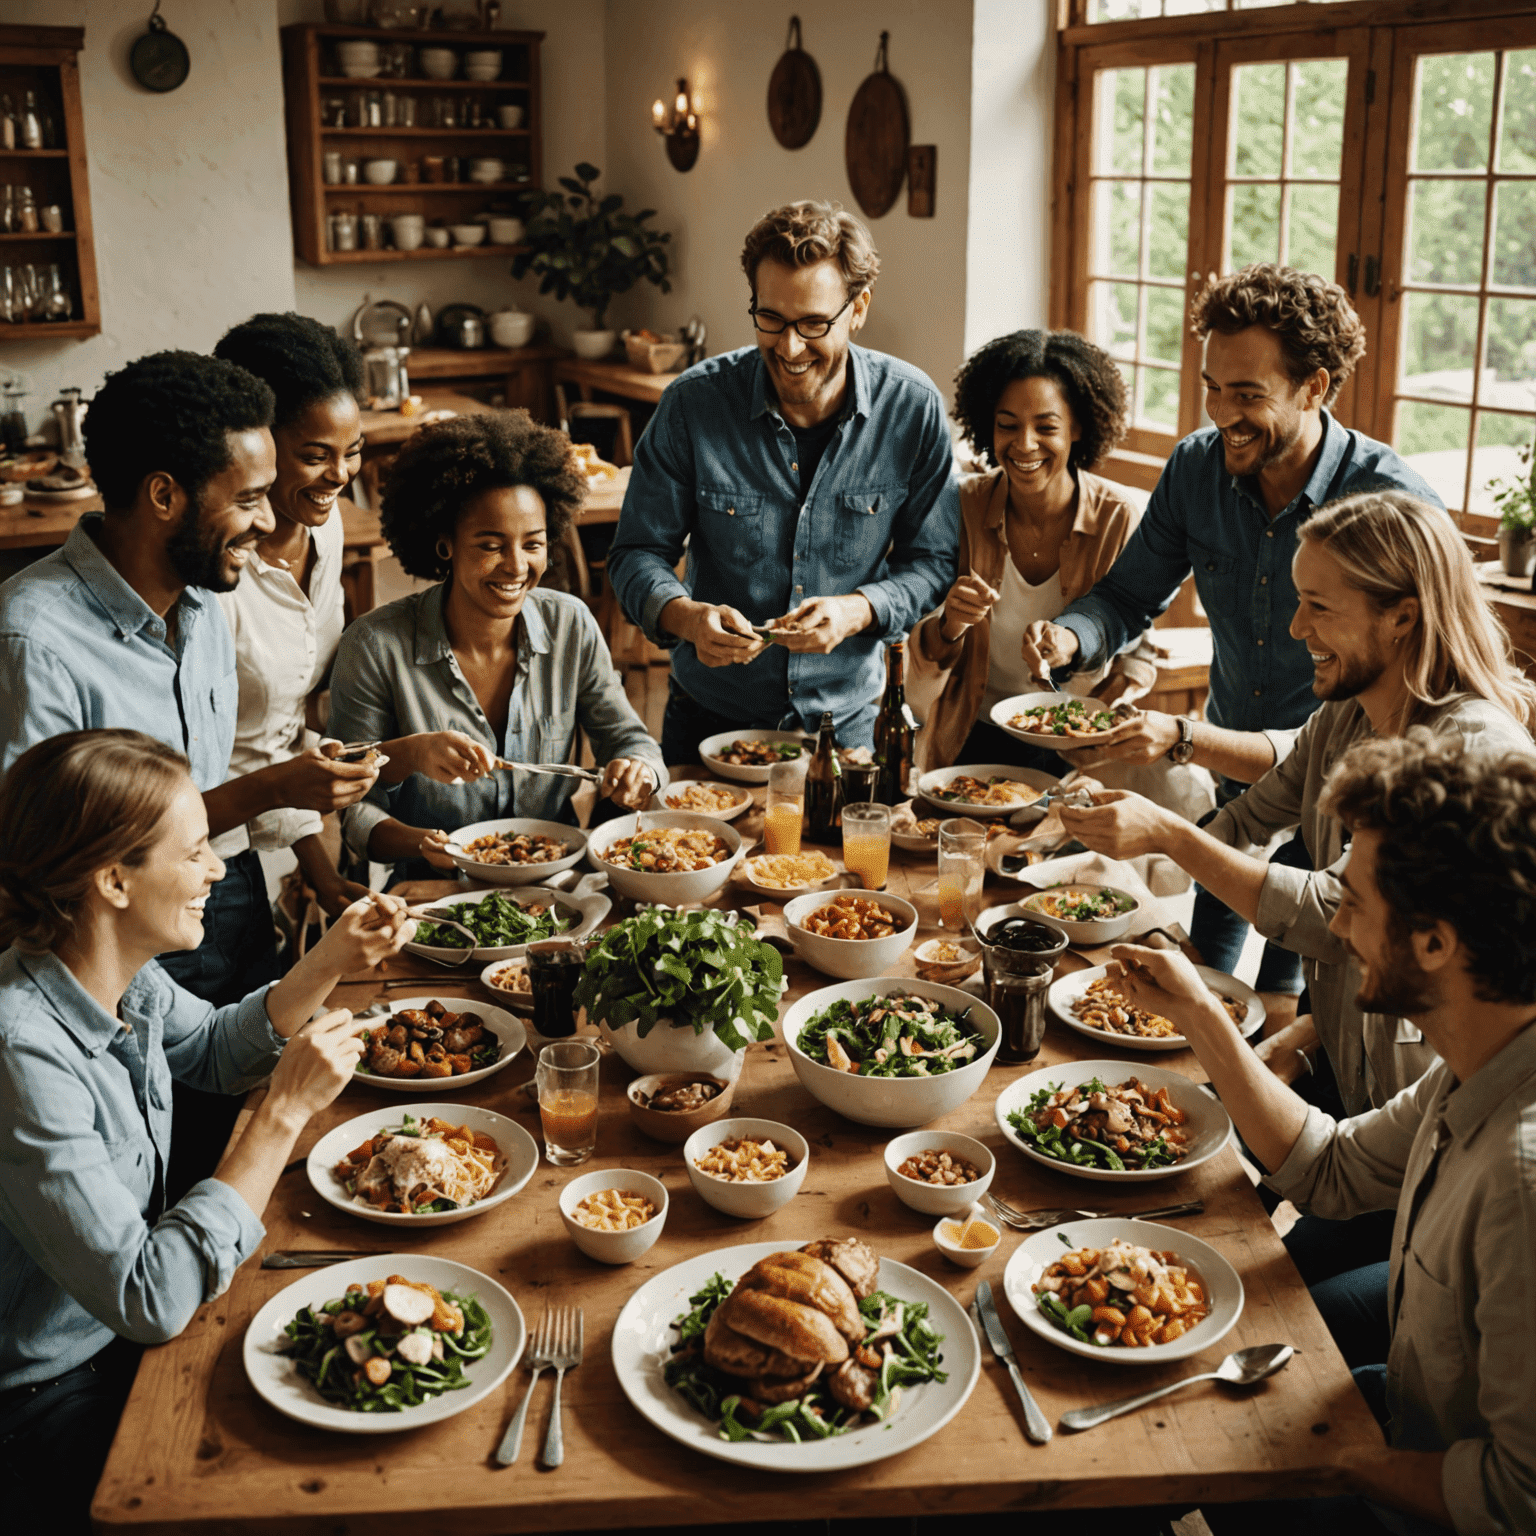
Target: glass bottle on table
895,728
867,843
785,807
823,786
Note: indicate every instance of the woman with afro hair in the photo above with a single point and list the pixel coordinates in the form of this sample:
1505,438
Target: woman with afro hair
486,657
1037,531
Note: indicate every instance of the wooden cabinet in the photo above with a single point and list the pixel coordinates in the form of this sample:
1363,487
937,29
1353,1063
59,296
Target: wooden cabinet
317,93
44,61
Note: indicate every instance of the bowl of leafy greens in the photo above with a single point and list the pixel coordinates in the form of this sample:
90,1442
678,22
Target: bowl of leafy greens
892,1051
682,991
505,923
1087,914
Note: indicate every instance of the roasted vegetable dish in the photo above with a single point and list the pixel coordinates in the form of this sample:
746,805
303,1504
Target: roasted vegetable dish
1092,1126
892,1036
515,848
1077,717
1122,1295
759,754
429,1042
495,922
421,1167
966,789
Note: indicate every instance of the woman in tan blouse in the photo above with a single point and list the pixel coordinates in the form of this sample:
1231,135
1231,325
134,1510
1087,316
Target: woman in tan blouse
1037,531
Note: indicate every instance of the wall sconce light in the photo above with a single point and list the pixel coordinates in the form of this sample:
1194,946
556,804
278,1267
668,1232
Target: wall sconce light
679,127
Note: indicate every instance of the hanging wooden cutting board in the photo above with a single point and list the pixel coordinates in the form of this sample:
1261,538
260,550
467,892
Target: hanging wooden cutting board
875,145
794,93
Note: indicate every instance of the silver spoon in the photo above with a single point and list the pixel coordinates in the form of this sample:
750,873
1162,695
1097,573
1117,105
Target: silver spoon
1242,1368
424,915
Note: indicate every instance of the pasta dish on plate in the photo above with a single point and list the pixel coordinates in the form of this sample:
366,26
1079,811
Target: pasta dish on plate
424,1166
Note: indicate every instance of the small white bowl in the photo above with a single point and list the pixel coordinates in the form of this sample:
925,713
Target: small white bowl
359,69
380,173
673,890
509,232
511,327
614,1247
510,116
467,234
573,837
437,237
518,1000
939,1199
484,56
850,959
1093,930
966,1258
481,73
753,1201
742,798
439,63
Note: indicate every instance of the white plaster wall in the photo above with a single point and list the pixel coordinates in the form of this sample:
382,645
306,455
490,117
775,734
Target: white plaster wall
188,190
727,50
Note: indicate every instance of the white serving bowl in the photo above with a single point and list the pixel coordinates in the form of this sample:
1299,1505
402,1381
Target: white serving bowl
930,783
966,1258
614,1247
517,1147
585,914
574,838
850,959
512,1033
894,1101
467,234
713,745
1097,930
509,232
753,1201
938,1199
674,890
742,802
380,173
439,63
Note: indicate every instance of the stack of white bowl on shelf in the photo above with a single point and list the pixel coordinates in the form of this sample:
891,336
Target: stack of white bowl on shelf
482,64
439,63
358,57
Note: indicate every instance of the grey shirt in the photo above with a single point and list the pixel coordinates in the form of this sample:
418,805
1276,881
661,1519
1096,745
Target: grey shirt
1458,1160
1374,1055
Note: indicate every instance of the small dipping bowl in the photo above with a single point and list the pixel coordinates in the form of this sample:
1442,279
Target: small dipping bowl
675,1125
614,1247
945,1232
939,1199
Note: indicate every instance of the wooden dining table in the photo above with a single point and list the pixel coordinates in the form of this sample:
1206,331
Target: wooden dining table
199,1450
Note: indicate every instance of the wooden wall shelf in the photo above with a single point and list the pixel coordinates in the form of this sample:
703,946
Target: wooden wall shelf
45,60
310,78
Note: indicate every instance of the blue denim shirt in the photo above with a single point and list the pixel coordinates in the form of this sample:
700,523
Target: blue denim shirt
81,650
85,1134
1203,519
396,674
716,469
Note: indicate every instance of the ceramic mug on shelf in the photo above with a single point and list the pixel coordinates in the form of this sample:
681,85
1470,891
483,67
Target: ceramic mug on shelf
409,230
437,238
330,167
509,117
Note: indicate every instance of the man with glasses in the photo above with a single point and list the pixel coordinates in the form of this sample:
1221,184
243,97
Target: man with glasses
806,477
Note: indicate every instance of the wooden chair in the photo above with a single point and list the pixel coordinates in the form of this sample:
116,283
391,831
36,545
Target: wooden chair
589,410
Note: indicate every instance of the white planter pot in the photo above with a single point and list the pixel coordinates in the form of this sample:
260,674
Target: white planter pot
593,345
667,1049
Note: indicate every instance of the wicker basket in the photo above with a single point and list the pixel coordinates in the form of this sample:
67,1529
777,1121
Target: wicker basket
654,356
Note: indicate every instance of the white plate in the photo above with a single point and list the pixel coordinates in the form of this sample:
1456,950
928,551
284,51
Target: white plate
1066,989
274,1377
585,911
939,777
513,1038
1209,1126
1005,709
713,744
518,1002
663,801
518,874
517,1148
785,892
912,842
643,1337
1223,1288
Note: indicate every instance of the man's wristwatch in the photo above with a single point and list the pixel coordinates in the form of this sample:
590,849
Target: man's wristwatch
1184,748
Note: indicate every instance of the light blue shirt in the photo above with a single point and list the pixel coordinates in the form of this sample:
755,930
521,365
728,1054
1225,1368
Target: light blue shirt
396,675
81,650
85,1135
717,469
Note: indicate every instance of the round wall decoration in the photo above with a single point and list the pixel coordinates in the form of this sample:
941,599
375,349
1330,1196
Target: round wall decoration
875,145
159,60
794,93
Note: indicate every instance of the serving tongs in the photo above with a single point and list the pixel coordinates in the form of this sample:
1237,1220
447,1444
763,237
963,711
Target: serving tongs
560,770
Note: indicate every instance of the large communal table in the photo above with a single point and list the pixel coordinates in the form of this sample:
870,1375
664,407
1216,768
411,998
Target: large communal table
199,1450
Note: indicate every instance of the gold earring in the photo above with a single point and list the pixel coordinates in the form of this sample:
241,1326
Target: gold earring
444,550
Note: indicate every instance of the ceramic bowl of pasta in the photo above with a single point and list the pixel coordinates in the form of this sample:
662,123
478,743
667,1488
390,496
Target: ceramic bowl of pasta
505,922
746,756
1062,721
747,1167
1091,1003
436,1044
614,1215
850,934
725,802
507,981
984,789
516,850
920,1048
426,1165
1087,914
676,857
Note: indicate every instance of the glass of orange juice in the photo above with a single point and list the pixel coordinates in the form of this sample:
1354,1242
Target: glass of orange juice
867,843
962,869
786,806
567,1082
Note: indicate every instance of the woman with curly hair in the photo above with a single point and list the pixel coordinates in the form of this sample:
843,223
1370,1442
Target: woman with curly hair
1037,531
509,669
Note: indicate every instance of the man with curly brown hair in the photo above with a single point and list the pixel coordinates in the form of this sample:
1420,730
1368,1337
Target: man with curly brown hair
1279,346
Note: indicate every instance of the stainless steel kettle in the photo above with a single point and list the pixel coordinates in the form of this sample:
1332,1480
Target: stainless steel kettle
461,325
384,377
69,414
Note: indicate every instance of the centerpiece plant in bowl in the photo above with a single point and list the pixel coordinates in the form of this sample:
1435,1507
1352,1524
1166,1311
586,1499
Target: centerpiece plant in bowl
682,991
1516,501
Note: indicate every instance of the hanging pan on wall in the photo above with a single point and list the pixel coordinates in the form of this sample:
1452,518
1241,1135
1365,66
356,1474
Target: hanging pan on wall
794,93
159,60
875,146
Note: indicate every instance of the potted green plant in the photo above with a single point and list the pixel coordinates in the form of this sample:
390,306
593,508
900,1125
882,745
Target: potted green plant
587,249
682,991
1516,501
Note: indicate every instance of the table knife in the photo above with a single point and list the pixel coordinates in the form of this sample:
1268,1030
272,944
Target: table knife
1036,1426
316,1258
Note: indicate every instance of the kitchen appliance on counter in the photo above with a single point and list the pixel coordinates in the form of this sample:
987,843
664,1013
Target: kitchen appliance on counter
69,417
461,326
385,381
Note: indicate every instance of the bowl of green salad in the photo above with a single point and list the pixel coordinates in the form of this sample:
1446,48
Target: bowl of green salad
1087,914
505,922
891,1050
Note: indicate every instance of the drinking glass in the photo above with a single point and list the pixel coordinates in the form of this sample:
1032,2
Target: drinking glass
554,968
786,806
962,869
567,1082
867,842
859,780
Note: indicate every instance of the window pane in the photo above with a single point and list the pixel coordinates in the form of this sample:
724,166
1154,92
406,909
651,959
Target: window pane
1258,119
1253,224
1514,234
1453,100
1312,240
1496,458
1433,439
1121,96
1165,324
1439,345
1510,364
1112,317
1173,118
1517,138
1445,231
1317,121
1168,236
1159,398
1116,228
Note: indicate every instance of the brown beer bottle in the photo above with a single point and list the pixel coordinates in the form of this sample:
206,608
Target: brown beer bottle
823,787
894,728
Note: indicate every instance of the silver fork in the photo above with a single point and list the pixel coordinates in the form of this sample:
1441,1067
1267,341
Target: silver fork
1035,1221
538,1359
565,1355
